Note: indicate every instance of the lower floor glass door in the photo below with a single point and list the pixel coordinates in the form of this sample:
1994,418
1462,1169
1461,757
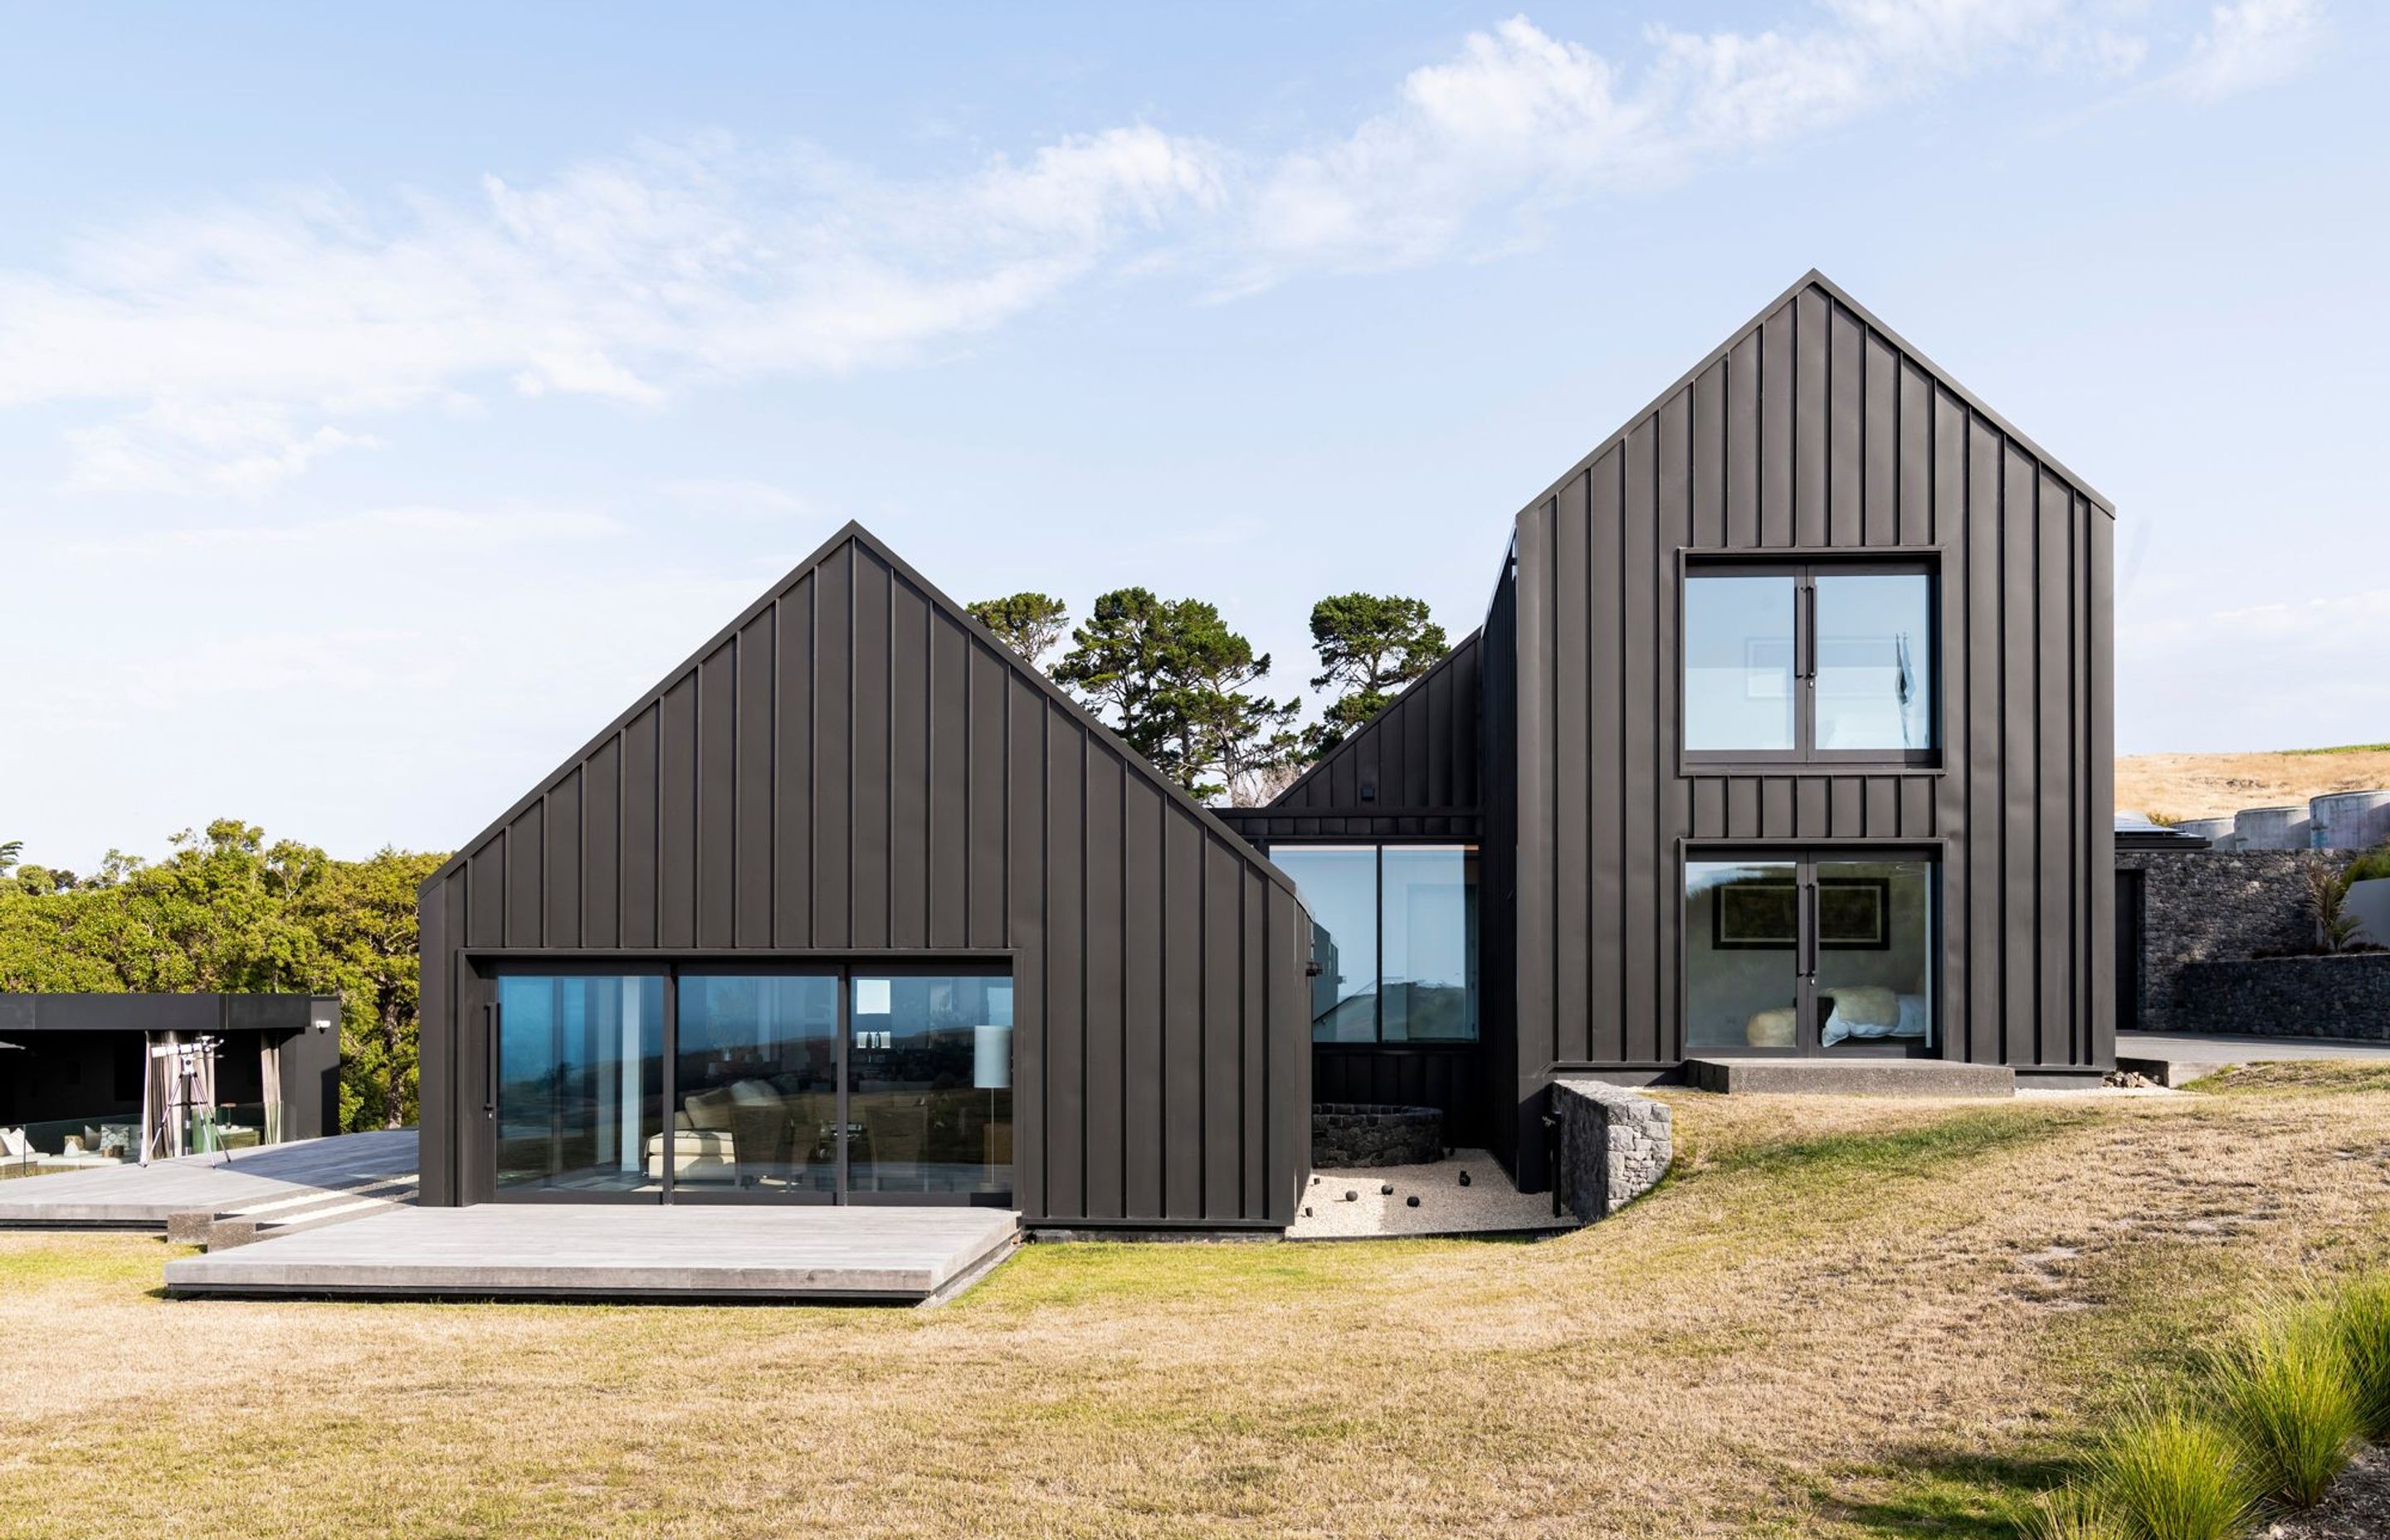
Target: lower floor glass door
1812,951
715,1084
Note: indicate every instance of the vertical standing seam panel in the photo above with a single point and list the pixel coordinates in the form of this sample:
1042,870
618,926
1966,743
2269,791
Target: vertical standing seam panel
1182,1005
1026,713
1223,1037
1682,454
950,776
795,690
2100,648
753,848
1638,772
1107,1026
1811,361
642,796
1879,504
2054,815
1777,525
1914,411
1254,968
561,863
435,1037
523,852
1067,919
601,845
909,733
1988,764
1945,521
1846,426
871,835
1706,456
2020,724
1742,466
834,750
1573,911
1141,815
676,795
1605,683
715,845
986,813
1537,949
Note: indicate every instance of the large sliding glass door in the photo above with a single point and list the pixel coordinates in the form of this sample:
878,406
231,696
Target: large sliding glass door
1817,951
721,1084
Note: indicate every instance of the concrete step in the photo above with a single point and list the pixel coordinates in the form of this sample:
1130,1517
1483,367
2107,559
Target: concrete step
1850,1077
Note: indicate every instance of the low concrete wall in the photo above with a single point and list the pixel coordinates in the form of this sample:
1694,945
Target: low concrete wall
2345,996
1615,1144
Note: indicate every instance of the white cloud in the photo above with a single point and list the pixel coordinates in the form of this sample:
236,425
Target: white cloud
233,344
1519,118
223,350
2249,46
359,542
737,495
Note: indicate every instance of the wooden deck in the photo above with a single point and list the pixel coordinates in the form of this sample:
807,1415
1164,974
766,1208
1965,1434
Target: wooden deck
498,1250
137,1196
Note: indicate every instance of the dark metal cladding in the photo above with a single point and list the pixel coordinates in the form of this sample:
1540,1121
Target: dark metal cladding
1814,429
1411,772
855,767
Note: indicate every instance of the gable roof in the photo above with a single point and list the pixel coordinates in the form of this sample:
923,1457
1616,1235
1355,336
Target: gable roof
1817,280
853,533
1367,736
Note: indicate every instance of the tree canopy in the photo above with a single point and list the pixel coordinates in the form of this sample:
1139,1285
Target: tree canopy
1369,645
1174,681
1028,622
227,912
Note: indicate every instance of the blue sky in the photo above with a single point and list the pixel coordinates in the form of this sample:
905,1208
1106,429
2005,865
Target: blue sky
384,400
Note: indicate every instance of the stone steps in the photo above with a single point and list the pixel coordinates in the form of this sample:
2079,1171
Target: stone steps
1849,1077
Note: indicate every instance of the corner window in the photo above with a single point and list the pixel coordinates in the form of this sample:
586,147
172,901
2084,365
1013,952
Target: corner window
1393,938
1827,661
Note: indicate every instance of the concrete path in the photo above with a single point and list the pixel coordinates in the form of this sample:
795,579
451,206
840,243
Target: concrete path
311,1172
557,1250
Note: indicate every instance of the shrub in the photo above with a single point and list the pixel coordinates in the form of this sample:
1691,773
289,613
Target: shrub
2360,1318
2286,1389
2073,1512
2174,1476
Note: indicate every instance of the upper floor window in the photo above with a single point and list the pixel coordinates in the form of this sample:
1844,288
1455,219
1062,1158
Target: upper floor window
1811,661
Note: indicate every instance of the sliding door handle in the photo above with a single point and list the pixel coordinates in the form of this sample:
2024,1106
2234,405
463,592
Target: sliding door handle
489,1058
1804,955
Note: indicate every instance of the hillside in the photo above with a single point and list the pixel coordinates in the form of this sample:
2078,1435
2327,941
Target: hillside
2210,786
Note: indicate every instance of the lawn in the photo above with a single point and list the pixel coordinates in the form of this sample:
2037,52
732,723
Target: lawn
1837,1318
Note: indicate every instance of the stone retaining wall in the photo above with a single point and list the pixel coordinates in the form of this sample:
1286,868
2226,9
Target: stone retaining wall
1345,1135
1615,1144
2345,996
2206,906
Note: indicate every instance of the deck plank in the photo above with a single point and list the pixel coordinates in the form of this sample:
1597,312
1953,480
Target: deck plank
597,1250
144,1197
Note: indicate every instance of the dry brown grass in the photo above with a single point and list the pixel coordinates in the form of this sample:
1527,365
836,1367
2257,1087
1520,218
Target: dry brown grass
2215,786
1840,1317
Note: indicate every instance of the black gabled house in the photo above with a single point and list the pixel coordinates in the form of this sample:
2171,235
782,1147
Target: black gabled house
1788,734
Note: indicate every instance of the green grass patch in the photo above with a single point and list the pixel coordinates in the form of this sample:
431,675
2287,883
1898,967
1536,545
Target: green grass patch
2170,1475
2341,749
2287,1390
33,1260
2320,1076
1835,1159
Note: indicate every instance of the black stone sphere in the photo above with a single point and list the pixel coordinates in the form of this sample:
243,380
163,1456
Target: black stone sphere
1412,1201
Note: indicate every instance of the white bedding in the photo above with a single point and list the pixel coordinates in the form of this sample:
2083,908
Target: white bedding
1916,1020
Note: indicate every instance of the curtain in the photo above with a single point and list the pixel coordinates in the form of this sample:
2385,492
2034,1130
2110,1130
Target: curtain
269,1058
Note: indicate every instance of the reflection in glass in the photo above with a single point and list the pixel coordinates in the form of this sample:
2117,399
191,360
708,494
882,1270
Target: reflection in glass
1428,945
1738,662
1875,661
1339,884
1875,952
1742,986
580,1068
755,1080
930,1084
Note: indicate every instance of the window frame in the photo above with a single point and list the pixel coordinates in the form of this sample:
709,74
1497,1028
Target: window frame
1804,566
1469,849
